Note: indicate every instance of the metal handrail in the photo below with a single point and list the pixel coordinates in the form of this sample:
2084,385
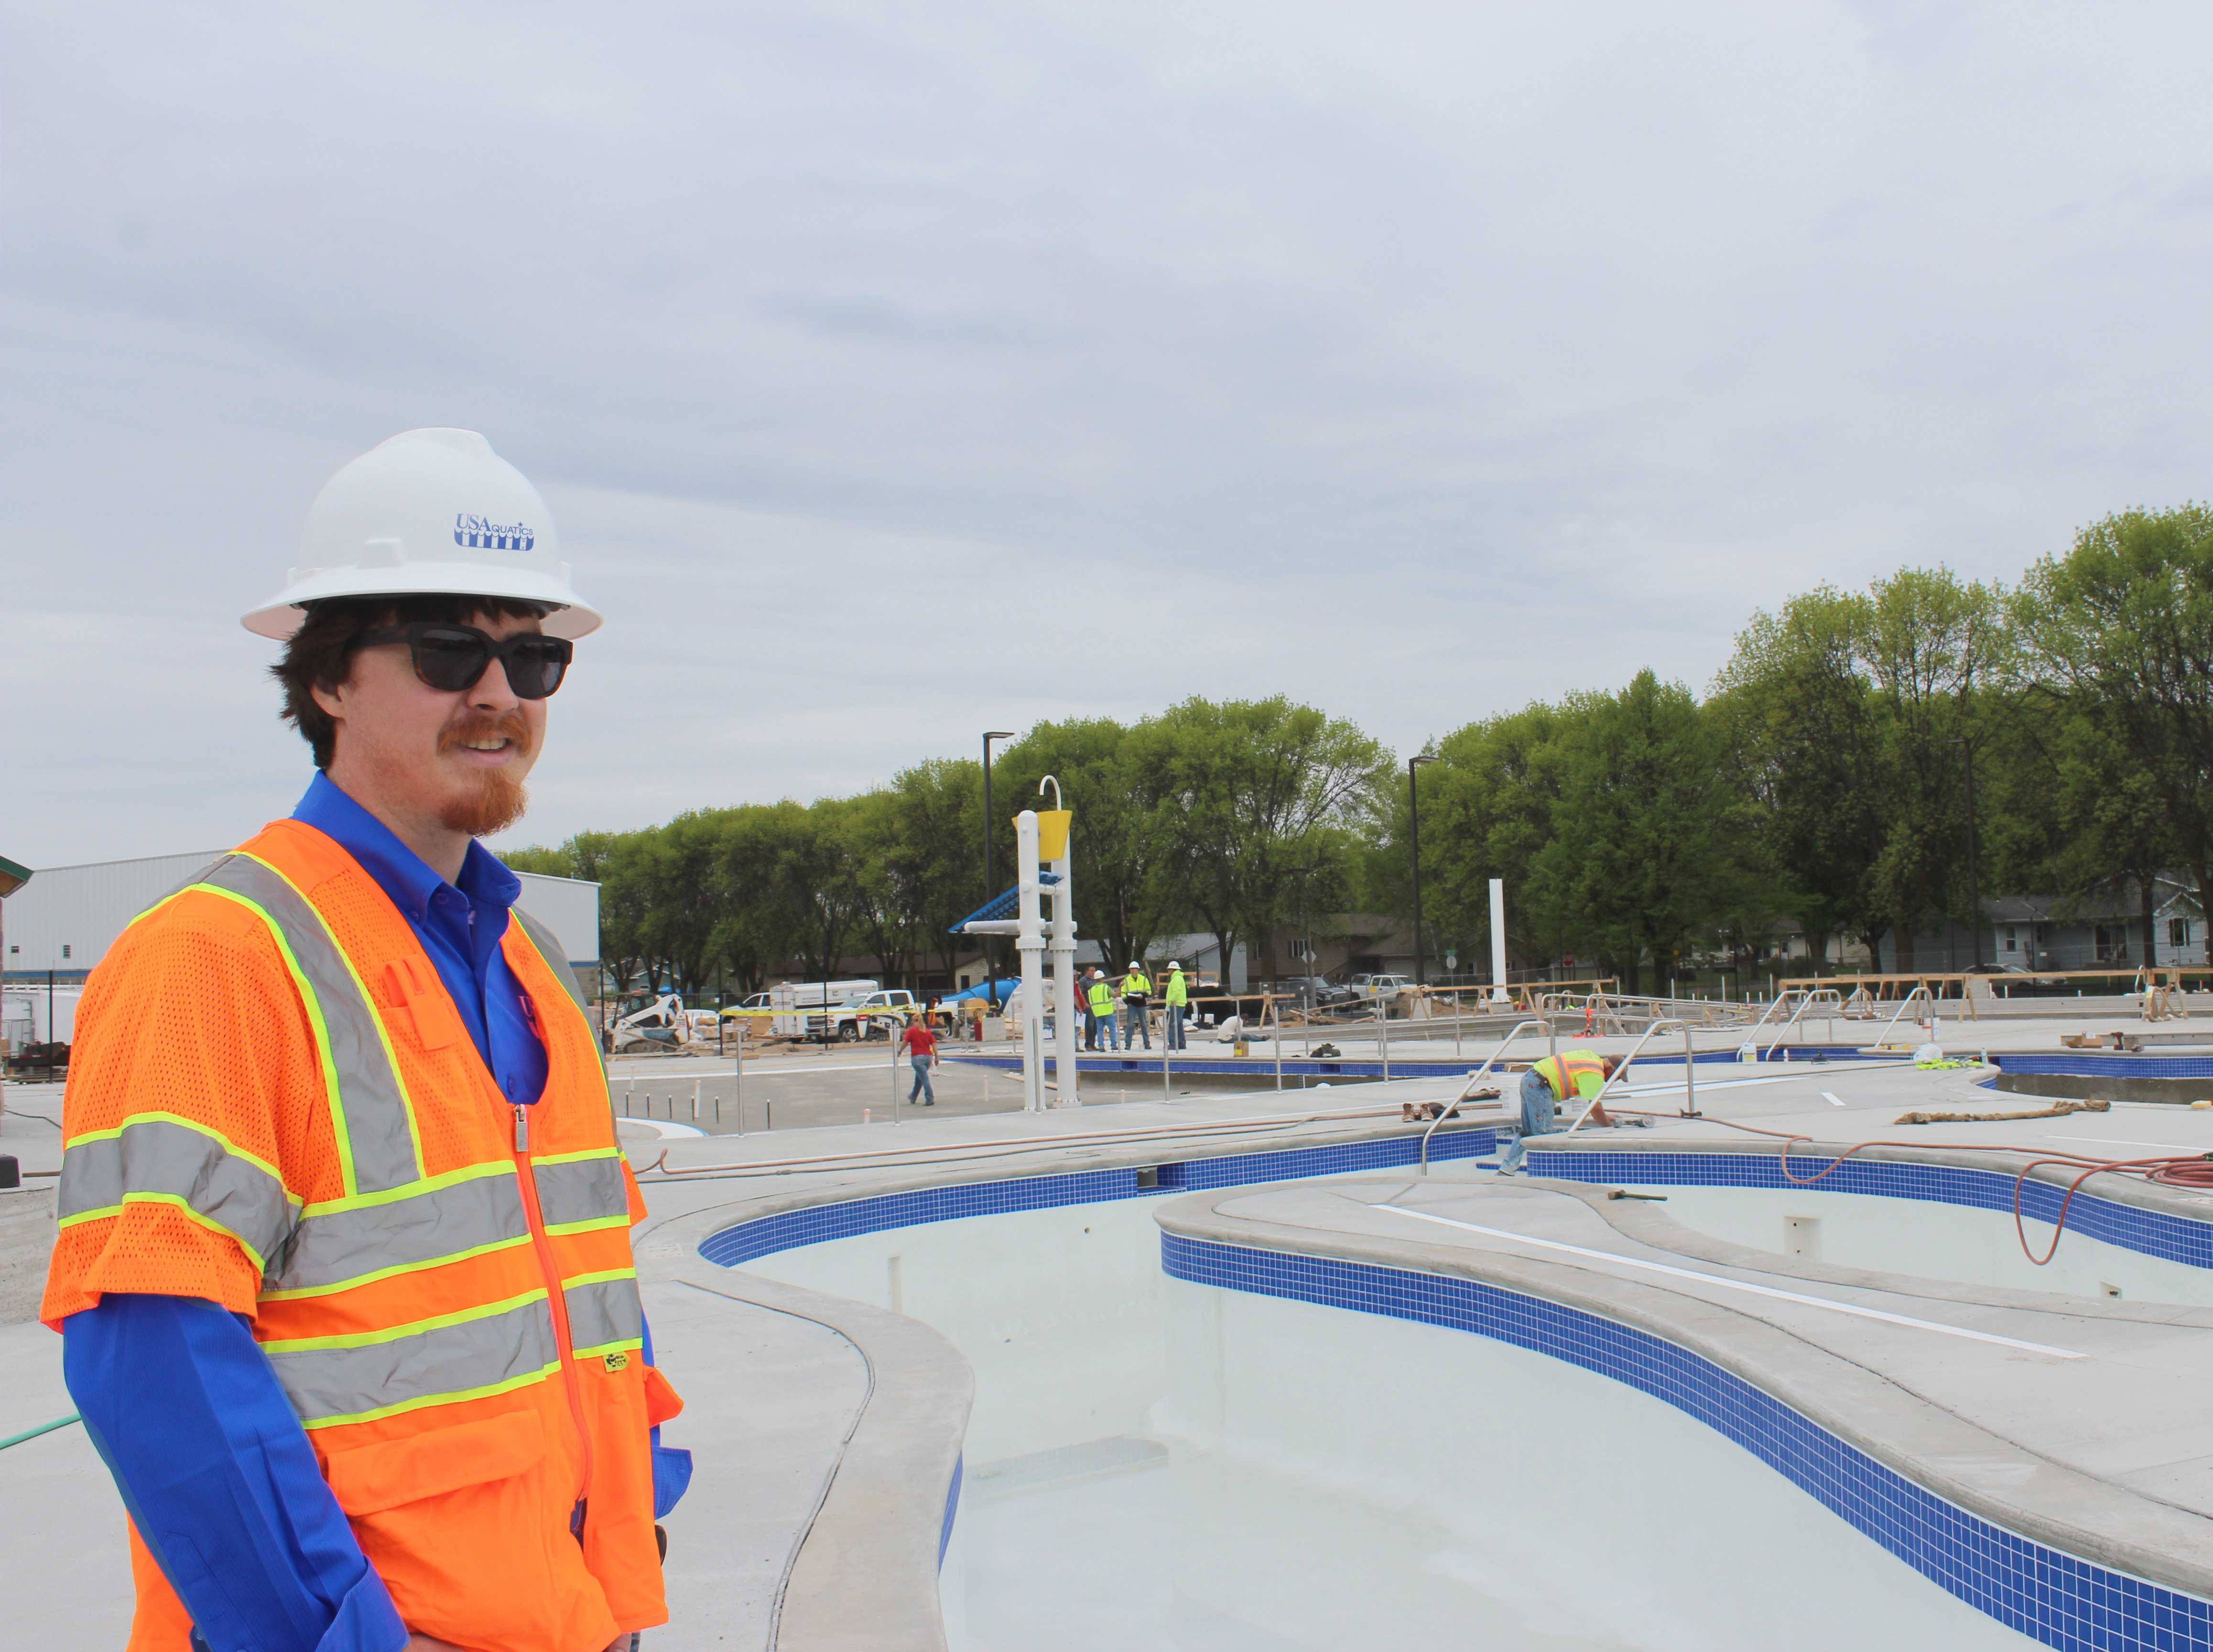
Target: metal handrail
1807,999
1469,1083
1917,992
1690,1073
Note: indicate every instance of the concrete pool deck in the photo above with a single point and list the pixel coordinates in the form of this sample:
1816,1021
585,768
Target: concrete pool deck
821,1426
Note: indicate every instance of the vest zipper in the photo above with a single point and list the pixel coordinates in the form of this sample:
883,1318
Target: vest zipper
560,1303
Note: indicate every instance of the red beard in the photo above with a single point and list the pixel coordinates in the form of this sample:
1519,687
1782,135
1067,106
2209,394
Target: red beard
499,799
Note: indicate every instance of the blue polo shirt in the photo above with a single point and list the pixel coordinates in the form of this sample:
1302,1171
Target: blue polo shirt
459,925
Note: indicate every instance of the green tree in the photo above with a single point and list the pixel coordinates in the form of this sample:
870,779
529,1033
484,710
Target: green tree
2122,629
1118,900
1257,807
1802,728
1488,807
1941,655
1650,840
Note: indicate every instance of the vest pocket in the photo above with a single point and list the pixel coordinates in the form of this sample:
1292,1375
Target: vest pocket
456,1522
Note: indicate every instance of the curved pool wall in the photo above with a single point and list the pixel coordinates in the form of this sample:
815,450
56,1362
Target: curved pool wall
1626,1523
1324,1475
2041,1592
2121,1214
2057,1598
811,1224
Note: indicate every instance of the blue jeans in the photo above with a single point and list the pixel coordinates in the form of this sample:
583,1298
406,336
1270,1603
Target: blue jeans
1538,1109
1175,1027
922,1082
1134,1027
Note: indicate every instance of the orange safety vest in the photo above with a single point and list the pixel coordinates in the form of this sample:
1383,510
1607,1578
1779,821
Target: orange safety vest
1561,1071
274,1105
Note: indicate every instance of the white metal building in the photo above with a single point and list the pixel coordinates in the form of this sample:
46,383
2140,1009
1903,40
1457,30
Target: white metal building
65,918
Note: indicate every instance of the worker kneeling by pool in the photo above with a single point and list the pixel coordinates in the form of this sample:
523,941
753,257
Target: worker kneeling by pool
1573,1074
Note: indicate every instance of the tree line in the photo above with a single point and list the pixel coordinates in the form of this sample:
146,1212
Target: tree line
1824,778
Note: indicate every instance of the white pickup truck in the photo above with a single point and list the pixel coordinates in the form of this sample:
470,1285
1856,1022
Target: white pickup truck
877,1014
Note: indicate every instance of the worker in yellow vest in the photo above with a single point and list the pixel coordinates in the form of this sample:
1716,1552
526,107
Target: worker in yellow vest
1137,992
1179,1001
1573,1074
1098,1010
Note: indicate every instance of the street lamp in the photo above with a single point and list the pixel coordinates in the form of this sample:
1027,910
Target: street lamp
1974,894
991,958
1414,811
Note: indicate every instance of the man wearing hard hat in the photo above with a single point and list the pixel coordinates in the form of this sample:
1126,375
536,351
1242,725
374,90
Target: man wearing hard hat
1177,996
344,1275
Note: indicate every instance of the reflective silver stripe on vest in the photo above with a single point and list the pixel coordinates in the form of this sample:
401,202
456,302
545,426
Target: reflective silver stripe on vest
608,1310
580,1190
451,1362
369,1096
550,949
333,1247
155,1156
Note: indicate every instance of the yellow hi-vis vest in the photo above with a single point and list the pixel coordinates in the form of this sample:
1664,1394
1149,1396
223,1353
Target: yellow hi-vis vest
1177,994
1100,997
1135,985
1572,1073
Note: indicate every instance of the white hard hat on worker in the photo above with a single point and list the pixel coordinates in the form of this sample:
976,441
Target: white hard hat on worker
428,512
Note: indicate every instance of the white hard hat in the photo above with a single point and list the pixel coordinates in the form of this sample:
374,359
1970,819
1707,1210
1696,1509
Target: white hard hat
1173,965
428,512
1134,964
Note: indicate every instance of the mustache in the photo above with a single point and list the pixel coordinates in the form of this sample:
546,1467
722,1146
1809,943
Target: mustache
474,724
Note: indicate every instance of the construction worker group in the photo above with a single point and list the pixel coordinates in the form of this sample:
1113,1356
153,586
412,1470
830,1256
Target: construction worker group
344,1277
1122,1008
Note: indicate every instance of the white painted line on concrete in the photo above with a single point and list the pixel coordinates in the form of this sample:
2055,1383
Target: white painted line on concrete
1738,1285
2123,1141
1831,1097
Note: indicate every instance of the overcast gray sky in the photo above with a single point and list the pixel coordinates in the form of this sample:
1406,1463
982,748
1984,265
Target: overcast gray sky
896,373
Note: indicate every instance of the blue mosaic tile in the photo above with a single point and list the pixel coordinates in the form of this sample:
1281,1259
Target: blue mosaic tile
2049,1596
788,1229
2148,1233
2086,1063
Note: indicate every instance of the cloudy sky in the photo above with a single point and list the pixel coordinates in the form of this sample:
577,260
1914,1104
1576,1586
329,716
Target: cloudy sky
896,373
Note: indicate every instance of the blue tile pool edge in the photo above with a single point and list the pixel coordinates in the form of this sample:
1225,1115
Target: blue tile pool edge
2165,1235
2041,1592
813,1224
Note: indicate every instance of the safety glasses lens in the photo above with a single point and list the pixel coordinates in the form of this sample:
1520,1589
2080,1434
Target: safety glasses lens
449,660
535,665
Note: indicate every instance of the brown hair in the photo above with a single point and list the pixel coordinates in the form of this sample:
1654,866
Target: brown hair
321,653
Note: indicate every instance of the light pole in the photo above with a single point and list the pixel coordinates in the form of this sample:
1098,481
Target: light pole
991,958
1974,894
1414,835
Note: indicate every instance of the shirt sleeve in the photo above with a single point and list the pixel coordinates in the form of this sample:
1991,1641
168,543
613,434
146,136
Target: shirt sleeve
220,1480
672,1466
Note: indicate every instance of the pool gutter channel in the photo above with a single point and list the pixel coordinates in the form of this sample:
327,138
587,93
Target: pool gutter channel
864,1576
2002,1481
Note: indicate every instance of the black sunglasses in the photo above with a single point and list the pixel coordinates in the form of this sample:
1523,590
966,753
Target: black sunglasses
451,658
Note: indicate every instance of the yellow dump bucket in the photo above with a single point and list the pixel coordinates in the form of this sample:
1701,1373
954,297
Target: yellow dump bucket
1052,832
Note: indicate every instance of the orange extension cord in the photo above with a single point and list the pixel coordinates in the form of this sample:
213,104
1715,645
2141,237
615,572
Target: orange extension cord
2193,1170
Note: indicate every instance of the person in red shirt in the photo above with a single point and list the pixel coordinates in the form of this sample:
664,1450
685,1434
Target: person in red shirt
921,1046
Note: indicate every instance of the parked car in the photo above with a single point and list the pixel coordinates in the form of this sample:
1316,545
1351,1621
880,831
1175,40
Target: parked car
1381,986
1316,991
874,1015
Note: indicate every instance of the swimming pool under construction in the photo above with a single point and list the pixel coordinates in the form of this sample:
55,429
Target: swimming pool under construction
1230,1372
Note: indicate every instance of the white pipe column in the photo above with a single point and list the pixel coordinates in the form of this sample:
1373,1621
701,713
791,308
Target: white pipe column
1497,938
1029,943
1067,1037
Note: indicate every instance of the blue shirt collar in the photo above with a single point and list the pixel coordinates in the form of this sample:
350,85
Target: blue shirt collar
399,870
